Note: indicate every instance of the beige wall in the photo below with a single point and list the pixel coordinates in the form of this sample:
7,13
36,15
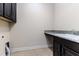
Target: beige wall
32,20
4,26
66,16
4,30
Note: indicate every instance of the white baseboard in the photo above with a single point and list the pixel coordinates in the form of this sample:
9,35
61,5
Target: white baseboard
29,48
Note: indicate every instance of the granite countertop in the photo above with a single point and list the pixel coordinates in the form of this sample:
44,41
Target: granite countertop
71,37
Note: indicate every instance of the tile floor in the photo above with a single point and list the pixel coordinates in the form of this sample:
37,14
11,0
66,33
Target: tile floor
34,52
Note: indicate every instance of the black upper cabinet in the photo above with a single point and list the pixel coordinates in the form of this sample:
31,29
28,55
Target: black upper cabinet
8,11
13,9
1,9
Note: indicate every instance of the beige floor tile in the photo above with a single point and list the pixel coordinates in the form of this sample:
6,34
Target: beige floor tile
34,52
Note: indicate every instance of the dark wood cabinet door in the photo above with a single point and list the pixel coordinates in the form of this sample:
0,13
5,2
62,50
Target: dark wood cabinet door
56,48
1,9
13,12
69,52
7,10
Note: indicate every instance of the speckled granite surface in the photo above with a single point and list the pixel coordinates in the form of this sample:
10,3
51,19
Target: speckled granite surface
63,31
